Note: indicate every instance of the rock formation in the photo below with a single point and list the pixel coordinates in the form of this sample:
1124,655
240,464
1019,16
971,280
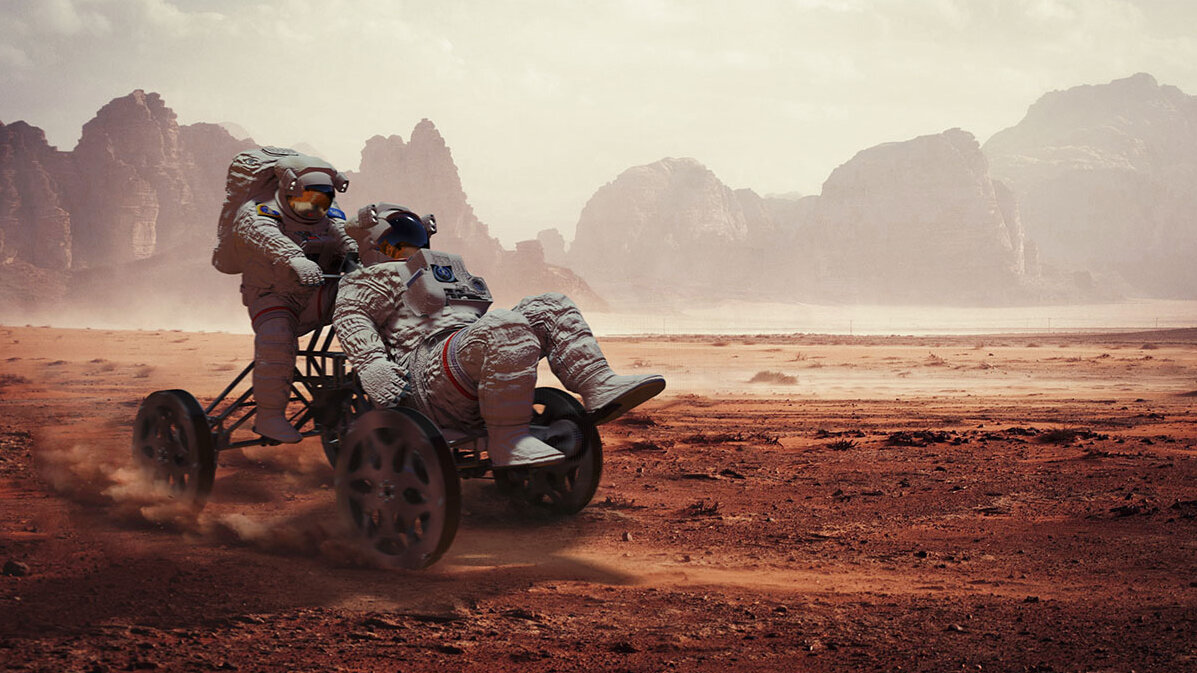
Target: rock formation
34,225
131,195
553,245
422,175
1105,177
913,222
667,229
208,149
917,221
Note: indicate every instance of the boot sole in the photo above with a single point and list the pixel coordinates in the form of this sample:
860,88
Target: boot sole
628,401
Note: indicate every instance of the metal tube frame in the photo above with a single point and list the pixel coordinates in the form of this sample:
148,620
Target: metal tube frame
319,368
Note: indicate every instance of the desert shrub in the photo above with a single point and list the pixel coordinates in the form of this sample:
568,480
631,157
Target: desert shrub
773,377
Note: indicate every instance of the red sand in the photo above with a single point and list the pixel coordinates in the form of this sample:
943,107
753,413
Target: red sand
877,504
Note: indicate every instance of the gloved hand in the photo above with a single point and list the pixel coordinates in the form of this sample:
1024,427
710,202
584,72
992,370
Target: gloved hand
308,271
384,382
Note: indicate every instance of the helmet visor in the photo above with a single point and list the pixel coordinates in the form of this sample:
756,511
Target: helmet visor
405,228
313,203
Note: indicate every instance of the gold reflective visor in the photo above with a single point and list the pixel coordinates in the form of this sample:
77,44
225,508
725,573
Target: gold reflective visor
312,203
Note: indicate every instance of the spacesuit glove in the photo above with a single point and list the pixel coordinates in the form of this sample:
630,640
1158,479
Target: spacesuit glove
384,382
308,271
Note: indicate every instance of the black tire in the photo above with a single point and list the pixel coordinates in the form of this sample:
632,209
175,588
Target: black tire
397,487
335,412
173,445
567,487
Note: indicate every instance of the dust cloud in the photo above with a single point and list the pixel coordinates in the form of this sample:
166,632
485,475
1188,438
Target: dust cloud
90,475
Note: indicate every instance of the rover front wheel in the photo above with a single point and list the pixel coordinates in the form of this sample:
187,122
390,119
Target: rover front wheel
397,487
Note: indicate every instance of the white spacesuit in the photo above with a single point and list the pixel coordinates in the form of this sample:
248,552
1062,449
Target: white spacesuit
415,321
285,245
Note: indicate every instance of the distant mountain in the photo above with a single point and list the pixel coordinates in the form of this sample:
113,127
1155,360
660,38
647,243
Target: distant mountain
1106,179
664,231
917,221
126,221
422,175
906,222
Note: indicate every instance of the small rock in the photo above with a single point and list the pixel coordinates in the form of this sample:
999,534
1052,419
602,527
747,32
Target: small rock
627,536
1031,599
956,628
523,613
449,649
14,568
624,647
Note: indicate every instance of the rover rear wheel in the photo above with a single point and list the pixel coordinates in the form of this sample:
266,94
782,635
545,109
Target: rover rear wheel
567,487
172,444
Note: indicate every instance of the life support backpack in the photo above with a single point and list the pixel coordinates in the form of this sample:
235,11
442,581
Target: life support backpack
251,175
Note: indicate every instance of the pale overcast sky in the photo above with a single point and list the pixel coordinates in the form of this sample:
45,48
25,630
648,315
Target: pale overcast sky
544,101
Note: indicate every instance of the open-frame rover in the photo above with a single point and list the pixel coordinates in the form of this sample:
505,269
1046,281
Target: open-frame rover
397,475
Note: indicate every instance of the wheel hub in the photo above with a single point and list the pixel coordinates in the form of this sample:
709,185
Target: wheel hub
386,490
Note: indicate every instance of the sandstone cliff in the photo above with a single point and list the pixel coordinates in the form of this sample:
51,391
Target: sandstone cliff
34,225
908,222
422,175
131,195
665,232
917,221
1104,177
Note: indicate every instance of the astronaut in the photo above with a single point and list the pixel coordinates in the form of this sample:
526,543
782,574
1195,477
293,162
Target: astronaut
286,243
415,326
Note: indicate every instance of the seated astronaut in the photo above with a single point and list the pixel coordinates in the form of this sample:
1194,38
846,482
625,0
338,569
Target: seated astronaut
415,325
285,245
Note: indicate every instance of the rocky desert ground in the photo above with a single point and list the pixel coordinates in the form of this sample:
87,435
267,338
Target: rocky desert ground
790,503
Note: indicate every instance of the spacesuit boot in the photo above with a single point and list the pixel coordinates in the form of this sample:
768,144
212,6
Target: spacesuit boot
274,360
503,351
577,361
508,439
608,395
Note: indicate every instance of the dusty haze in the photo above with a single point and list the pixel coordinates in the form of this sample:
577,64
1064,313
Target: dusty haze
546,100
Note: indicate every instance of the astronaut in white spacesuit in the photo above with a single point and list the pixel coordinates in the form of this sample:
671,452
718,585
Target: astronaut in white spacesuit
414,324
285,245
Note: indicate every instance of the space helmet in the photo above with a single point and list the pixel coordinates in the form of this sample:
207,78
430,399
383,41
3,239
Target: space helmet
307,186
382,228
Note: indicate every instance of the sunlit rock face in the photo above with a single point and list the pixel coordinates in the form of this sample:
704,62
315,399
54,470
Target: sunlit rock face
916,221
1105,177
208,149
667,229
130,196
34,226
422,175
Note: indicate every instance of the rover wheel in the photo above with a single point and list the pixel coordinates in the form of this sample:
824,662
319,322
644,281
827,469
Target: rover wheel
567,487
172,444
397,487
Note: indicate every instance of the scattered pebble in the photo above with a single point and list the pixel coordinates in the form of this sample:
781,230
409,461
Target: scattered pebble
14,568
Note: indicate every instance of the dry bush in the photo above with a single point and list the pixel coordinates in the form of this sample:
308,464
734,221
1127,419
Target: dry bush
11,379
773,377
702,508
1059,436
842,445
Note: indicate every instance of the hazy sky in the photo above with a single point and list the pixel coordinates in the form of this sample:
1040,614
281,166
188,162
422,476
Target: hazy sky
544,101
